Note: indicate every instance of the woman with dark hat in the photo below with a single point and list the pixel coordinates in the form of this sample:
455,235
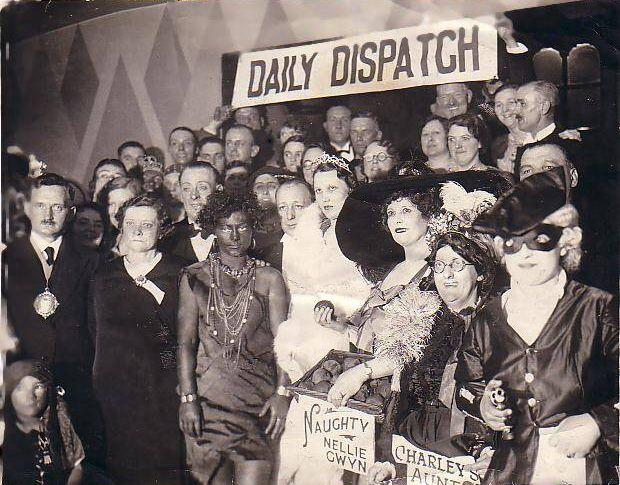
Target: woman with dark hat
548,346
464,270
397,318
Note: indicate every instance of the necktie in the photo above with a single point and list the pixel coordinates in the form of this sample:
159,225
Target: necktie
49,255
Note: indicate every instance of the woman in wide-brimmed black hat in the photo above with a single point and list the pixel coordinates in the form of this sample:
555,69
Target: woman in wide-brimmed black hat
392,224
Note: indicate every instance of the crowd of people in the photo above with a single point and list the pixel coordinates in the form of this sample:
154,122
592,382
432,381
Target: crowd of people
160,322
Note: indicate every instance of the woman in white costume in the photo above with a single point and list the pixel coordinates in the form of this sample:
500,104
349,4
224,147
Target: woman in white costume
315,269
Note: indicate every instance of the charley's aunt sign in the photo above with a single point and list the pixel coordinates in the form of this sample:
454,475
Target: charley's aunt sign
455,51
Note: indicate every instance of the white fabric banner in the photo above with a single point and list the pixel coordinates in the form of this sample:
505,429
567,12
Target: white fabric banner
454,51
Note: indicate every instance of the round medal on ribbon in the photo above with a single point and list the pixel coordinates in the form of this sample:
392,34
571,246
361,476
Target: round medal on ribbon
46,303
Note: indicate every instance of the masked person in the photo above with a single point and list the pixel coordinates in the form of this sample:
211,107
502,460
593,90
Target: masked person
550,343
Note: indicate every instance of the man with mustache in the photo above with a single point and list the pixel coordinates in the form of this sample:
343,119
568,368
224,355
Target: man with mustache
46,285
537,103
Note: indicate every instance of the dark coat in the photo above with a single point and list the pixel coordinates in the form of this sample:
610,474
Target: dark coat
63,337
575,366
178,243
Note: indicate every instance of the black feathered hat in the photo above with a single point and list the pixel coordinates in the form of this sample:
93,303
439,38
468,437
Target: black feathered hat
361,234
526,205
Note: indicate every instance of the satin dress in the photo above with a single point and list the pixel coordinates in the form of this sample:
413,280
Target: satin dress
570,369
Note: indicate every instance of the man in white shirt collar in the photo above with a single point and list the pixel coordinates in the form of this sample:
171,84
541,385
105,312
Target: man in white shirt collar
536,105
47,206
291,199
337,125
197,180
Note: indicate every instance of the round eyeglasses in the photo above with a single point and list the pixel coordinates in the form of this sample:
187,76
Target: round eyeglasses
457,265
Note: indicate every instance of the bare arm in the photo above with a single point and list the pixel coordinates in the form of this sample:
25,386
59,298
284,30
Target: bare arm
190,419
75,478
277,405
187,329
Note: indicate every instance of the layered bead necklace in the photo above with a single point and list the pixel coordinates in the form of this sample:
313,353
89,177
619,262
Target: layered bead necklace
234,315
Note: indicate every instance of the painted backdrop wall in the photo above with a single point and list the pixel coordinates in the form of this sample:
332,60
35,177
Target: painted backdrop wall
134,75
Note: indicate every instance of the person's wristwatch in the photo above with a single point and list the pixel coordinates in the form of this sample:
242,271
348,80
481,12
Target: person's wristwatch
283,391
186,398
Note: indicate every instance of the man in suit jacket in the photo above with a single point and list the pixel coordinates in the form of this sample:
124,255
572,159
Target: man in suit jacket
537,102
198,180
54,329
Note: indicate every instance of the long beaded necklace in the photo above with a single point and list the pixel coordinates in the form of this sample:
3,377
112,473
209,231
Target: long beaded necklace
234,315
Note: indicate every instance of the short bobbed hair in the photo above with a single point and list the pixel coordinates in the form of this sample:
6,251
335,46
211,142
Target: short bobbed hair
146,200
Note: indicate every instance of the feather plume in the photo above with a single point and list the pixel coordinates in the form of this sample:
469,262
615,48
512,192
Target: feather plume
409,319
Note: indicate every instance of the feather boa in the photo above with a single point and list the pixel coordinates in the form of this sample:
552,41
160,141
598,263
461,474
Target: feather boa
408,323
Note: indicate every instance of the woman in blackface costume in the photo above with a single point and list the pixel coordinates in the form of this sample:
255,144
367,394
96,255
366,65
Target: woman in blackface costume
550,343
233,402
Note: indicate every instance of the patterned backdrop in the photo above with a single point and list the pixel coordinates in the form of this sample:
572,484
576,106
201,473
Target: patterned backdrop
133,75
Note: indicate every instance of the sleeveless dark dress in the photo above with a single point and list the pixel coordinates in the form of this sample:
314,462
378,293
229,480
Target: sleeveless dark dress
135,372
233,390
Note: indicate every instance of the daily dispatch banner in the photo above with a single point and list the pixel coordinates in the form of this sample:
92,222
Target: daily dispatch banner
454,51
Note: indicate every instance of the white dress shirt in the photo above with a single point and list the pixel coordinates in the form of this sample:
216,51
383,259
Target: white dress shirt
345,151
40,245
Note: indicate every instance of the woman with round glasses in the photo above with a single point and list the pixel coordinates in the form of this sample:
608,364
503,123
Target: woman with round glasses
410,209
463,275
379,159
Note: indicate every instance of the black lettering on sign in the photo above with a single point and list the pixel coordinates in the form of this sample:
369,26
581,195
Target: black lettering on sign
469,46
284,72
383,58
293,86
356,49
341,50
262,67
272,78
425,39
403,63
441,67
372,47
306,64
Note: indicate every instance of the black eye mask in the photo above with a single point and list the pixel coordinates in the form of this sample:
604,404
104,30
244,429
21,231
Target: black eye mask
545,237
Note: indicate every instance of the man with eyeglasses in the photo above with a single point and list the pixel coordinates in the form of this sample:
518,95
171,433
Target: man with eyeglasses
379,159
46,288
